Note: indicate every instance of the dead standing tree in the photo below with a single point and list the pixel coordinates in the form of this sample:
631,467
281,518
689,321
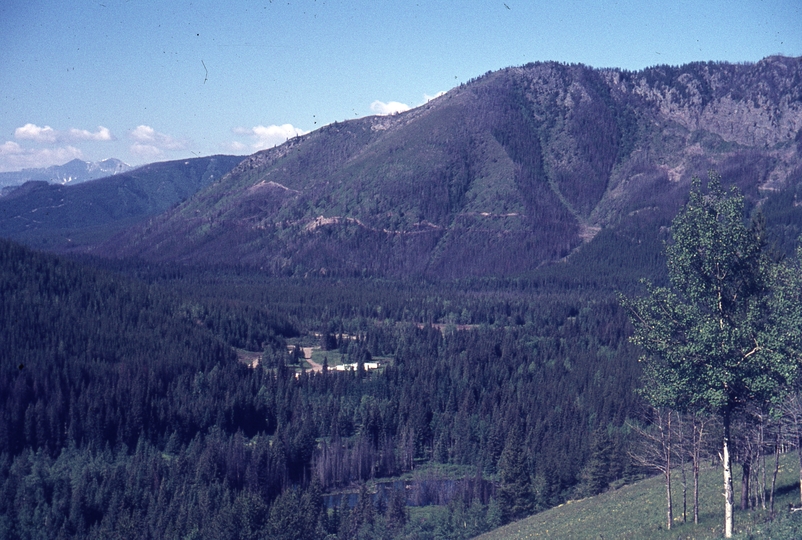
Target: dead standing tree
747,450
693,445
655,448
759,434
792,414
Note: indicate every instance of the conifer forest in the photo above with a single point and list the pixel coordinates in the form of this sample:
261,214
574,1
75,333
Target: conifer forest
125,406
417,326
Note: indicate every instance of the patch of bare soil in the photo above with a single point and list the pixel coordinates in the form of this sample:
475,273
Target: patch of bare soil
249,358
317,368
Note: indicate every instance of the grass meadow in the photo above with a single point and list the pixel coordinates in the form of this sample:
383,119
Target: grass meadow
638,511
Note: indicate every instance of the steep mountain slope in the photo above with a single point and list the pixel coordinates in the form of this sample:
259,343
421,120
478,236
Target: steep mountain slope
66,217
510,171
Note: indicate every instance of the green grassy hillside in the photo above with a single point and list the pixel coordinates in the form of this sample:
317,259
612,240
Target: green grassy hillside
638,511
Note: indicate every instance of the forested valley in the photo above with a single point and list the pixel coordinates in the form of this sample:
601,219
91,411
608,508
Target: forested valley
153,400
411,326
125,409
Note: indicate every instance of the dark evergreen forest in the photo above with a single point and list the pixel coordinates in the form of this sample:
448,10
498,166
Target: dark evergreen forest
125,410
164,400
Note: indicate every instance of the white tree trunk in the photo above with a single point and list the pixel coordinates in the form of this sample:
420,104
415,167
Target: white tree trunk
799,451
727,478
669,506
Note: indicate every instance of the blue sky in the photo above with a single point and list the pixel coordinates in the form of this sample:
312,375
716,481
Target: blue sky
143,80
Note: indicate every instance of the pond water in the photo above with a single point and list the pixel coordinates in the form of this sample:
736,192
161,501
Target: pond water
419,492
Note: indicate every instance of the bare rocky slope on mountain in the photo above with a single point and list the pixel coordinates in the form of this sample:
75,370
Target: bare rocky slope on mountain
518,168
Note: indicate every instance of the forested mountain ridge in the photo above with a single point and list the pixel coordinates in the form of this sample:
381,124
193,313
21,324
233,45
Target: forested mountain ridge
515,169
71,217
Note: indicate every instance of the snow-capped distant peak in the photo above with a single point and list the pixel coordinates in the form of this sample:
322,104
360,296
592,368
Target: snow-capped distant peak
72,172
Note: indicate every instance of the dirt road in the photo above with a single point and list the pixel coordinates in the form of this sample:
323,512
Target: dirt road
317,368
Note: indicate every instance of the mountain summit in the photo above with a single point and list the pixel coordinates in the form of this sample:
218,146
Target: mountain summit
515,169
72,172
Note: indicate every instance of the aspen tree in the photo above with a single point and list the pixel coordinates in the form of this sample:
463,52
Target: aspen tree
721,335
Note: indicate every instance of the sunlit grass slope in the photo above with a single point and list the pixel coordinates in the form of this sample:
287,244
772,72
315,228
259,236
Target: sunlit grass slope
638,511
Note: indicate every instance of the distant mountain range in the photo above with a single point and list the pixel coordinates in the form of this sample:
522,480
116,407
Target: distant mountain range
74,217
73,172
517,169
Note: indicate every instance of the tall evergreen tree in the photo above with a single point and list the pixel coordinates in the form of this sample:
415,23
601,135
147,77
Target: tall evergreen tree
515,487
599,469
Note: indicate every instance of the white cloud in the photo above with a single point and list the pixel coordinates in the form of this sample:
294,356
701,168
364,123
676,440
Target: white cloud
235,147
44,146
146,152
33,132
14,157
48,135
427,98
10,148
143,133
393,107
102,134
151,145
267,136
147,135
